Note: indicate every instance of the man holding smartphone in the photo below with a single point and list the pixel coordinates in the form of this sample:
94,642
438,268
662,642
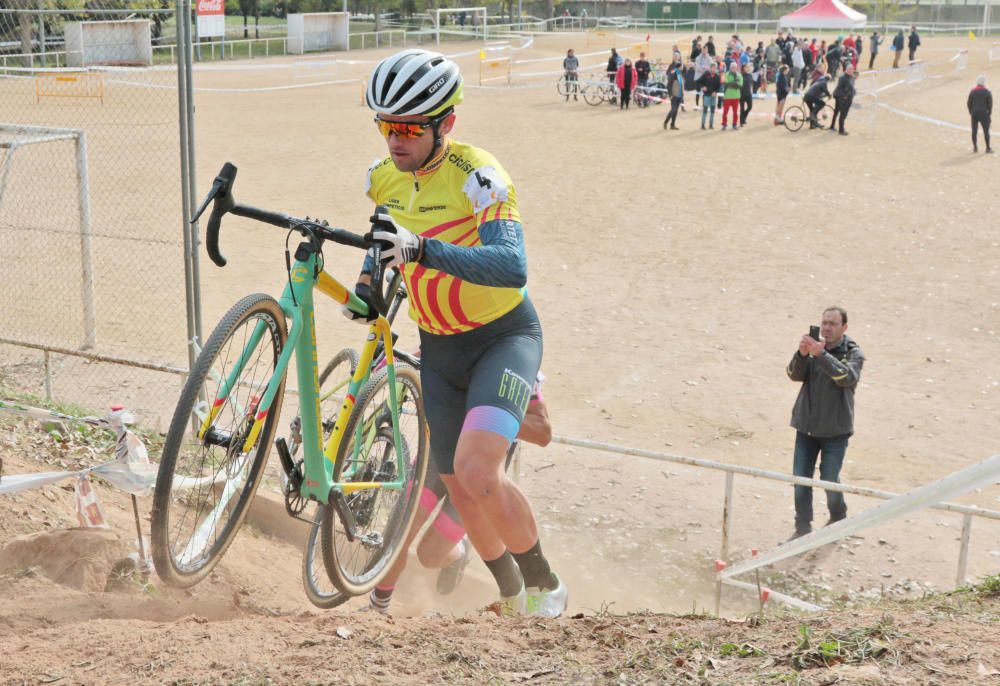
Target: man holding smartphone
828,365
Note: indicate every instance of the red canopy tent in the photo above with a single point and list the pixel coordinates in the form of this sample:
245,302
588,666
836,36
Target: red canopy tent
824,14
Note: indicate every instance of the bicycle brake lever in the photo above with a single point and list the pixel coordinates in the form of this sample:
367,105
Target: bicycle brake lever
216,187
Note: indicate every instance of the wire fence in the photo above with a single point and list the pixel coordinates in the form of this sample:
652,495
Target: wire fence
91,233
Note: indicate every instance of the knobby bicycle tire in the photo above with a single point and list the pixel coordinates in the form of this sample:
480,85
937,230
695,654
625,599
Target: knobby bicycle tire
319,590
204,487
383,516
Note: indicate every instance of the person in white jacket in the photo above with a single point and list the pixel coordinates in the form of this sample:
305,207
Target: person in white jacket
798,64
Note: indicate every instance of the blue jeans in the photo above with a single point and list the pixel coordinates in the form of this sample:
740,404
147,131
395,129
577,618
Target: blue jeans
807,449
708,103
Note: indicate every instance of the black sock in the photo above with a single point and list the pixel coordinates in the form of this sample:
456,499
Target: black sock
535,568
508,576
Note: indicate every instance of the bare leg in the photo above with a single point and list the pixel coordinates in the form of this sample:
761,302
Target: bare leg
489,497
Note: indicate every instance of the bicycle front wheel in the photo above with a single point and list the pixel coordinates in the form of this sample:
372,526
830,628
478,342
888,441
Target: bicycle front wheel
333,384
593,94
212,462
368,453
794,118
562,85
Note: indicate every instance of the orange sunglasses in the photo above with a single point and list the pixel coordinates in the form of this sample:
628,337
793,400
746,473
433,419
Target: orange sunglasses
401,129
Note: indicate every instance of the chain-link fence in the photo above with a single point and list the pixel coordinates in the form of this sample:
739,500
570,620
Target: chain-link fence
91,228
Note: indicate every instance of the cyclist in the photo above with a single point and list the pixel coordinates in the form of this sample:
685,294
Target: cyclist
814,98
450,222
445,545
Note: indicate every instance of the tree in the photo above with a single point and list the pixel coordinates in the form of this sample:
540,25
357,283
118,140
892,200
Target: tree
247,8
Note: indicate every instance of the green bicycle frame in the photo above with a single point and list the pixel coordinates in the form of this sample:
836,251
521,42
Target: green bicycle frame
297,304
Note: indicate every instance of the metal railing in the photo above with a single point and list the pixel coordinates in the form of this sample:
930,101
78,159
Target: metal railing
731,470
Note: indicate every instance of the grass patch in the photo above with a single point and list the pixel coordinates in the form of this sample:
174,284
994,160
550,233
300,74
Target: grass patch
853,646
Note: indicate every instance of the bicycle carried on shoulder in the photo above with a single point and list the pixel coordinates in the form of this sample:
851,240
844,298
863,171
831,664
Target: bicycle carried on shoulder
366,478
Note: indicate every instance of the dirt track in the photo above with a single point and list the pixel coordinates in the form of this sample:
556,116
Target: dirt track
674,272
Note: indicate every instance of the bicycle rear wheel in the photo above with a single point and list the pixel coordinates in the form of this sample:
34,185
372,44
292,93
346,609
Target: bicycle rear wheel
333,382
208,476
794,118
562,86
382,516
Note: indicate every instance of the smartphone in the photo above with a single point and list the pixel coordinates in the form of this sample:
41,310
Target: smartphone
814,333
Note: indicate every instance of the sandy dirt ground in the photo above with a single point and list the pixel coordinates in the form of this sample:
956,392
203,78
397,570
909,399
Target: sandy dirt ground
674,273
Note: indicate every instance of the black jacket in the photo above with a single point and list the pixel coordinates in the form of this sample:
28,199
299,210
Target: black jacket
913,41
825,405
746,91
642,70
980,101
817,89
845,88
710,46
709,84
781,83
833,53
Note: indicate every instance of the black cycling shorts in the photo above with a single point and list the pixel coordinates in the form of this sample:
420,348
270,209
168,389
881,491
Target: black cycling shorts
493,366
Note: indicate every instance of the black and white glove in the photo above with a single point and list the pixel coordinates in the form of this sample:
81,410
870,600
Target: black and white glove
364,292
399,244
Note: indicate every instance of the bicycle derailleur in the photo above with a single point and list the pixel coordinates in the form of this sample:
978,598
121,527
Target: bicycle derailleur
295,504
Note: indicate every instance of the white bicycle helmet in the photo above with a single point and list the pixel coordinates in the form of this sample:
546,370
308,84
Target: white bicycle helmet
414,82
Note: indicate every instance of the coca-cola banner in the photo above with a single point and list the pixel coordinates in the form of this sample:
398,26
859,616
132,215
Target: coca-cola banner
211,18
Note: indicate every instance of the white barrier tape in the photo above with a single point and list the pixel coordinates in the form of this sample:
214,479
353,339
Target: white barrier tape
959,483
780,597
930,120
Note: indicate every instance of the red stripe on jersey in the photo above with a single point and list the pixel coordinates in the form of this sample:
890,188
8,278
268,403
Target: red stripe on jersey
432,301
415,296
456,305
440,228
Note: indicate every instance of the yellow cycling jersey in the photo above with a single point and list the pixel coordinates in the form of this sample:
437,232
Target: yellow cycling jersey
449,203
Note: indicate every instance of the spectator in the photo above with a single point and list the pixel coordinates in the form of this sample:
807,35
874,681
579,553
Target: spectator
709,84
676,57
859,47
675,86
626,80
848,43
814,49
980,105
781,85
823,417
843,96
710,46
746,94
642,70
695,48
833,55
815,97
571,66
733,87
913,42
772,56
701,66
808,63
798,64
876,41
897,47
614,63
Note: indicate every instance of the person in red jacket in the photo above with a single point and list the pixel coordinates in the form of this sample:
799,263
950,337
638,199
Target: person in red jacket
626,80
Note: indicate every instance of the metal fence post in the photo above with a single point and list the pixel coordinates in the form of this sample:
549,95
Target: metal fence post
727,522
963,554
86,247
